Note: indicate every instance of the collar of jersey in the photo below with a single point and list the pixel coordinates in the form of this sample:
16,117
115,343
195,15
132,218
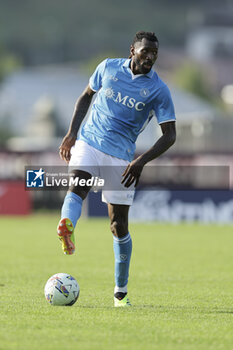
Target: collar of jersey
134,76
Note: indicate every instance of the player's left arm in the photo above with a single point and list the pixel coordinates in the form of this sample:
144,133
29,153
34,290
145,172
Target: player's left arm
134,169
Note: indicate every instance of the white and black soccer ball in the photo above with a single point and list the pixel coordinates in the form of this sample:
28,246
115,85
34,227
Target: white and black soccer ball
61,289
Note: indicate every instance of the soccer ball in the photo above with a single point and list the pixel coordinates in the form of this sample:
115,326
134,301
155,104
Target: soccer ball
61,289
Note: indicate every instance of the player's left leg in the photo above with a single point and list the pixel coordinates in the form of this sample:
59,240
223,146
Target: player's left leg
122,245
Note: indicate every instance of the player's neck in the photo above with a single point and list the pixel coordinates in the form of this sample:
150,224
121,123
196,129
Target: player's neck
134,68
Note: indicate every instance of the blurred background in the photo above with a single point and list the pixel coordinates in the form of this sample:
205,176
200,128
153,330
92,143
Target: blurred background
48,51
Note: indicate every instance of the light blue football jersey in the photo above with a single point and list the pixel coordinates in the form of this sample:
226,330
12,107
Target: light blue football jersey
124,105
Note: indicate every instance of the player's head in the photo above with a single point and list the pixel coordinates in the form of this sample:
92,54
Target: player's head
144,51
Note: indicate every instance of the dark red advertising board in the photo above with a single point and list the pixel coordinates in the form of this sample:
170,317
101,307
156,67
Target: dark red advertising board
14,200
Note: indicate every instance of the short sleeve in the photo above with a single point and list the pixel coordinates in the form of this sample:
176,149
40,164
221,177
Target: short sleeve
163,106
95,80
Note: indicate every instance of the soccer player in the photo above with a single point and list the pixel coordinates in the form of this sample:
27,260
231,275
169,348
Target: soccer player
129,94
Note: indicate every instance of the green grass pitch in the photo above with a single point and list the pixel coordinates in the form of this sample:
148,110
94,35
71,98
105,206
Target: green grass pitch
181,287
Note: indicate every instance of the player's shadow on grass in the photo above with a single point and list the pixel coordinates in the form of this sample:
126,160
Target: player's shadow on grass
111,307
221,312
165,309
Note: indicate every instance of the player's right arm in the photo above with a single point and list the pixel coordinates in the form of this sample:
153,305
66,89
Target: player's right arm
80,111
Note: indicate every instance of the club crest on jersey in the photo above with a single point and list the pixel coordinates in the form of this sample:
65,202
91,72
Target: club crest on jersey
144,92
127,101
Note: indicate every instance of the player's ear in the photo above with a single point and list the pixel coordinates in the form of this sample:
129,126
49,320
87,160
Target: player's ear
132,50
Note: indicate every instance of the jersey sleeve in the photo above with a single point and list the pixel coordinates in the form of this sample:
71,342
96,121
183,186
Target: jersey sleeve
95,80
163,106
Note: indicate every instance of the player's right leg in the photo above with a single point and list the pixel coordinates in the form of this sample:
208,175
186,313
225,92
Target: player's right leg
71,212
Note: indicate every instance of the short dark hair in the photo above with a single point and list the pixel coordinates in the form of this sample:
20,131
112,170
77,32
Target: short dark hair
147,35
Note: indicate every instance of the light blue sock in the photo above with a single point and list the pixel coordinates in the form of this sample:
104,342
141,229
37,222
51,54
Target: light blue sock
122,250
72,207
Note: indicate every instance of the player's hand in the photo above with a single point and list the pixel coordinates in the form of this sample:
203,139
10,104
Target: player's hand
132,173
64,150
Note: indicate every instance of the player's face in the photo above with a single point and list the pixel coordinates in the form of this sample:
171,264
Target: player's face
144,54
